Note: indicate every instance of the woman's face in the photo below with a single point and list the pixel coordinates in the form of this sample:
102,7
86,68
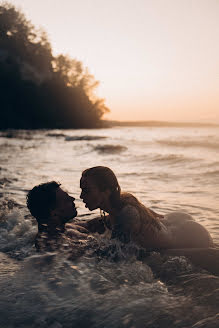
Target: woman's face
90,194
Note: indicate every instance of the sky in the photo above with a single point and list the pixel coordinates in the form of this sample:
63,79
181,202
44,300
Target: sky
154,59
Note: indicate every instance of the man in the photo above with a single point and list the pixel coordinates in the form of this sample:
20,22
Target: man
52,207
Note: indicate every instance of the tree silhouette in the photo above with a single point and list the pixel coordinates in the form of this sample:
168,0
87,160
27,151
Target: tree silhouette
37,89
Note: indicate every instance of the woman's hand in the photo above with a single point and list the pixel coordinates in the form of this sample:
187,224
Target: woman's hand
77,227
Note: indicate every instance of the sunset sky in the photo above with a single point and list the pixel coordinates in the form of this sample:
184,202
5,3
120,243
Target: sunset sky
155,59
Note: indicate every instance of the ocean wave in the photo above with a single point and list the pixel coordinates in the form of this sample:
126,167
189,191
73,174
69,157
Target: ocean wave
171,158
54,293
56,135
51,291
86,137
74,138
6,181
110,149
214,173
8,266
6,205
216,163
203,143
109,288
16,233
18,134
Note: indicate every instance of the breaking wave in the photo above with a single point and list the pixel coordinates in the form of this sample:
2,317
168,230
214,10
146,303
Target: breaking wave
110,149
51,291
17,233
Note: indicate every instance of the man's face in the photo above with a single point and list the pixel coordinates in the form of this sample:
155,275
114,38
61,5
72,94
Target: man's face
90,193
65,207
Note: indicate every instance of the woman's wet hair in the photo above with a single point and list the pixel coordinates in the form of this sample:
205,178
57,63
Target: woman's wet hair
41,200
105,179
150,217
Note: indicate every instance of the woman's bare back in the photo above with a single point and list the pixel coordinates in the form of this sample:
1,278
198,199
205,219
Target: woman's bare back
176,230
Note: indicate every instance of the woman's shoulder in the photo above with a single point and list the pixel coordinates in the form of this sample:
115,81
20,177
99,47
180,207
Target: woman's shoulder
128,218
128,210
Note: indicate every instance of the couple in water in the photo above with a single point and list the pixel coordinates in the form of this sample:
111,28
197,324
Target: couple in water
122,214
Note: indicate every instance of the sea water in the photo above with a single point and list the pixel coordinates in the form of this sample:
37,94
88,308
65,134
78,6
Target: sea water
168,169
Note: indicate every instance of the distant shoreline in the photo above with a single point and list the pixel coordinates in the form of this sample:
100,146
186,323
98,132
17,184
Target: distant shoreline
107,124
158,124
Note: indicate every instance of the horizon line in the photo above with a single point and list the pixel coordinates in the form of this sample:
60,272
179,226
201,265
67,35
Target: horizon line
160,122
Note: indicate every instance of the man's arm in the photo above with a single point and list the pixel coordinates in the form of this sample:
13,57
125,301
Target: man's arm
94,225
76,226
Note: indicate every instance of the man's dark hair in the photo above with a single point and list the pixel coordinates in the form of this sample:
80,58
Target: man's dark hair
41,200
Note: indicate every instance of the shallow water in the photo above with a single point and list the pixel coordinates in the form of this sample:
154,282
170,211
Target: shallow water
168,169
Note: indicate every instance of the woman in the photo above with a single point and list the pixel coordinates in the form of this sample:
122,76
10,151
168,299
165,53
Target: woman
130,220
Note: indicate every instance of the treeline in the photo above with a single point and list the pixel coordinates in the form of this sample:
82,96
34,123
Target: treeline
38,90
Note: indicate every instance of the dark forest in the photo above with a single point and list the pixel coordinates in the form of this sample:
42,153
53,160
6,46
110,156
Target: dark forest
38,90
